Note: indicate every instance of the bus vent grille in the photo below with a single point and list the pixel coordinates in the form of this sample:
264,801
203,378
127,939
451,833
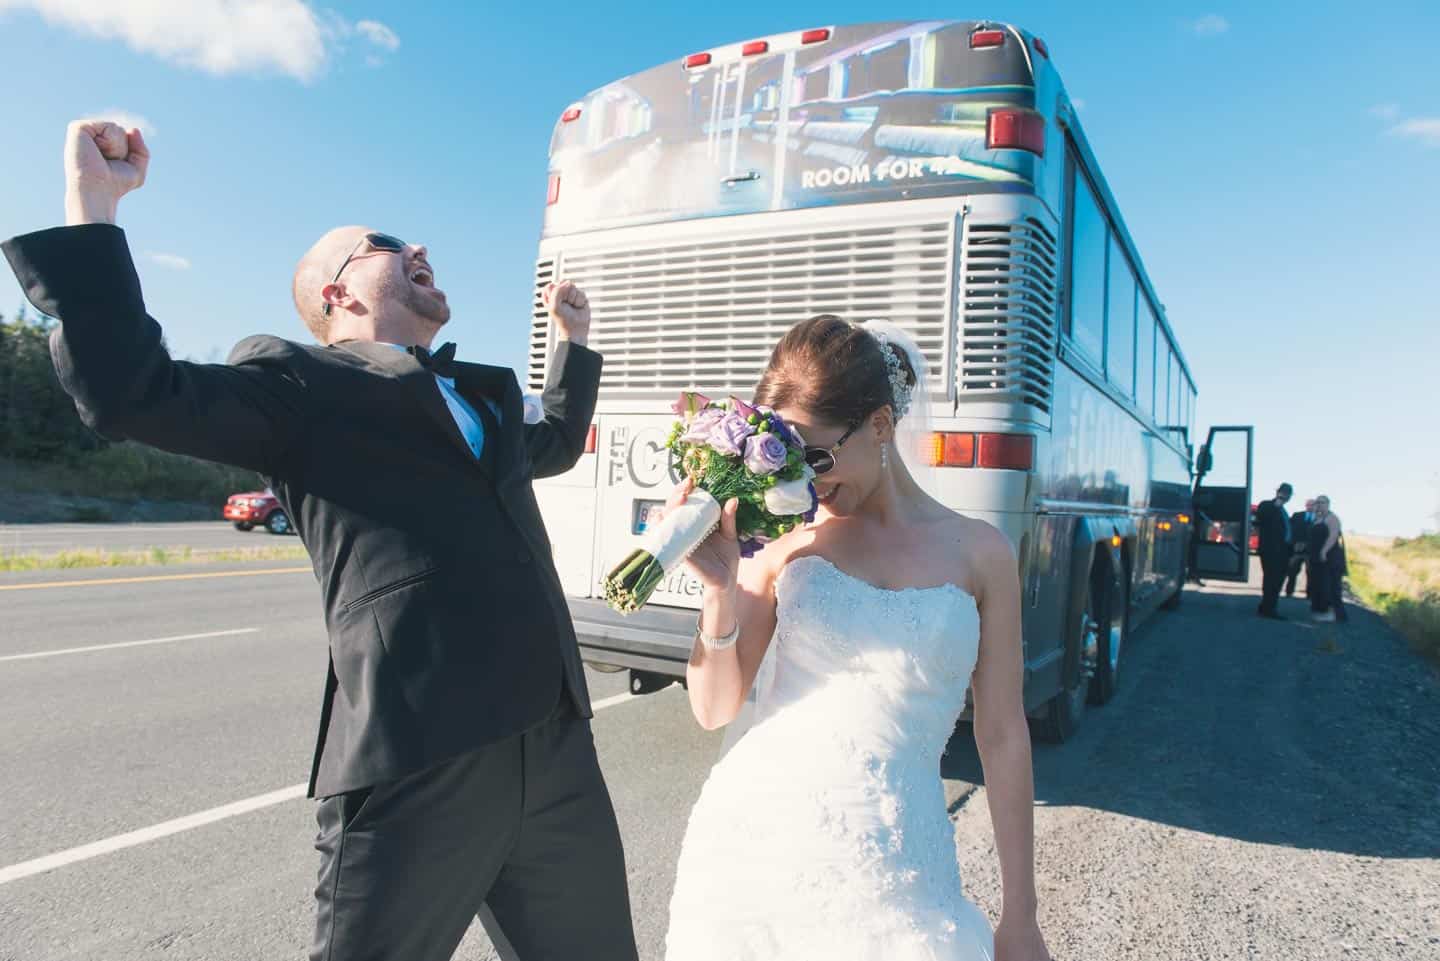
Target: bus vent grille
707,314
540,325
1010,277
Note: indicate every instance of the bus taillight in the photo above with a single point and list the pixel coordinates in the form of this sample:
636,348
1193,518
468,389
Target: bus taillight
697,60
1015,129
573,113
951,450
995,451
590,438
1006,451
753,47
983,39
815,36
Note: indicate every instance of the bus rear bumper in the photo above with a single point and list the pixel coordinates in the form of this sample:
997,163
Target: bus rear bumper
653,639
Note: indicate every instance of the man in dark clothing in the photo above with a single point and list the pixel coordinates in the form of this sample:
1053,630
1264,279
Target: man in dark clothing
1273,526
1300,539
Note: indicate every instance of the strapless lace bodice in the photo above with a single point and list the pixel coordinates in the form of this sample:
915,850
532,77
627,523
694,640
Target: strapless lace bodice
823,833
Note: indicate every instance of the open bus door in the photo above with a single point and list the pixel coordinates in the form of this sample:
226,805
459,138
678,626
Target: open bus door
1221,501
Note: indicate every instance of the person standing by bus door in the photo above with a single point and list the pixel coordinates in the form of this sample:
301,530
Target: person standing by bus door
1273,526
1327,564
1300,525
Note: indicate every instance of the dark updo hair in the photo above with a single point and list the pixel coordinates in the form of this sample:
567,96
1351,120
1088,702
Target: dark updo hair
832,369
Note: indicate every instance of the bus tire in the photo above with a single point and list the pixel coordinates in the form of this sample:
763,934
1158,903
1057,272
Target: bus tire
1111,630
1066,710
1172,603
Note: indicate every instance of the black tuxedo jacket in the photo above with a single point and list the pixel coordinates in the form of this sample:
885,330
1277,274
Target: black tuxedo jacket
448,627
1270,522
1300,531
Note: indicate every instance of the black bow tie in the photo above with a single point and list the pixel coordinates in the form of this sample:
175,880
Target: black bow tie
441,362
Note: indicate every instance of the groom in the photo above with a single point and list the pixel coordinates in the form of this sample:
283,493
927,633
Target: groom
455,766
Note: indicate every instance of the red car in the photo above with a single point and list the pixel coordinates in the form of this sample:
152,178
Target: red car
256,509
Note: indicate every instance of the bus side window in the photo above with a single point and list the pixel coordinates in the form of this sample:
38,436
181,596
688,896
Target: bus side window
1088,238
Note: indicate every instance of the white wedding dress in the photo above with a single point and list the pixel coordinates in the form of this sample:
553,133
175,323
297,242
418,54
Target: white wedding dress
823,834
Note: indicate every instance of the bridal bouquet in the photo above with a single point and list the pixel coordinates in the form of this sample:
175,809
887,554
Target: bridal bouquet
730,449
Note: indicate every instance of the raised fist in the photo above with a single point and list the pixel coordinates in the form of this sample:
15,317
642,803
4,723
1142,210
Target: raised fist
103,162
570,309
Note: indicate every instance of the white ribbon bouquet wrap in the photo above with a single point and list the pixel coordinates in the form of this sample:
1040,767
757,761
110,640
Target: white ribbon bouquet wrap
730,449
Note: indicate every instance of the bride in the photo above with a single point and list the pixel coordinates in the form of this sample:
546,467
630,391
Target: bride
823,833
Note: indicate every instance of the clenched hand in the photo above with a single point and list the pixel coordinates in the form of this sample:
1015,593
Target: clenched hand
103,162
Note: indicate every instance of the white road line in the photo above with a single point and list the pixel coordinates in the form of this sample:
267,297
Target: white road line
120,841
155,832
111,647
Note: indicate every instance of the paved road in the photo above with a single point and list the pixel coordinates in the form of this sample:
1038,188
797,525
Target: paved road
199,535
1254,792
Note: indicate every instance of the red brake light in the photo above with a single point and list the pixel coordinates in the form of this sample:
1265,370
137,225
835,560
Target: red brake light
552,195
1016,129
753,47
981,39
1006,451
697,60
571,114
1041,49
815,36
590,439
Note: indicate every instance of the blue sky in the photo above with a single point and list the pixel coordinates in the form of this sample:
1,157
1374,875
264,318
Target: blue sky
1278,172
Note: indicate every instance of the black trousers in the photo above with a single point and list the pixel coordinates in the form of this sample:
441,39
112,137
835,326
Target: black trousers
1275,566
1297,561
520,833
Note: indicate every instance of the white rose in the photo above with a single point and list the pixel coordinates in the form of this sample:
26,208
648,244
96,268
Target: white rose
790,497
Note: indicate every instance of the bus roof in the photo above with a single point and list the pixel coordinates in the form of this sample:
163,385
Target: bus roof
830,115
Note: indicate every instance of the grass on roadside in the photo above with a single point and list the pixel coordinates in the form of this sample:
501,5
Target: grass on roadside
1401,580
154,556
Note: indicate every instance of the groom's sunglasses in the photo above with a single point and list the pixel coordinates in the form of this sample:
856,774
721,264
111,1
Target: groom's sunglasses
822,459
384,242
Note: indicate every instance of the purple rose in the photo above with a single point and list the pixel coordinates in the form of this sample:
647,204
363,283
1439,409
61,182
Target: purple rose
698,431
728,436
764,454
787,433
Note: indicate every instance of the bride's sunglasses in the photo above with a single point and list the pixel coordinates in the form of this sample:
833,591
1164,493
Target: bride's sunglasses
382,242
822,459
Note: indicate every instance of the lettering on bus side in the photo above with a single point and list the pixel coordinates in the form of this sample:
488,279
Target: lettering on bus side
617,455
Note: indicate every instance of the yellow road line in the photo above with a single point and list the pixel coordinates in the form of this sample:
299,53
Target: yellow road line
153,577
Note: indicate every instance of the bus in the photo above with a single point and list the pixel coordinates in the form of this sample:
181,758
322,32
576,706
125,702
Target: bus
933,173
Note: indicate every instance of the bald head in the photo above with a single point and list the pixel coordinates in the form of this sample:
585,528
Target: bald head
316,269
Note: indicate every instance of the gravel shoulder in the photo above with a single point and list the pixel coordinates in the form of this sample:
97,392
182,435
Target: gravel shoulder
1258,790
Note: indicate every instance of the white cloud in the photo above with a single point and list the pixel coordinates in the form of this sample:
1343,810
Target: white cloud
1385,111
378,34
217,36
172,261
1209,25
1424,129
127,119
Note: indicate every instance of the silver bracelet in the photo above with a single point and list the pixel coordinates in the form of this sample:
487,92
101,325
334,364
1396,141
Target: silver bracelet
718,643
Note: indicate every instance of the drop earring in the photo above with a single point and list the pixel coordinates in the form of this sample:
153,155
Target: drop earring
884,456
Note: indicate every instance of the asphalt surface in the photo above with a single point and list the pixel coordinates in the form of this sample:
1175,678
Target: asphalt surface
1257,790
198,535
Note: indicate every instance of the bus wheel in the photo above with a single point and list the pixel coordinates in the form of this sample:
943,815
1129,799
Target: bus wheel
1109,626
1172,603
1066,709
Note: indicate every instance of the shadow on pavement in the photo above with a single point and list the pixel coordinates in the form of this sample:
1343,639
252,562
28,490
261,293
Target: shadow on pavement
1290,733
